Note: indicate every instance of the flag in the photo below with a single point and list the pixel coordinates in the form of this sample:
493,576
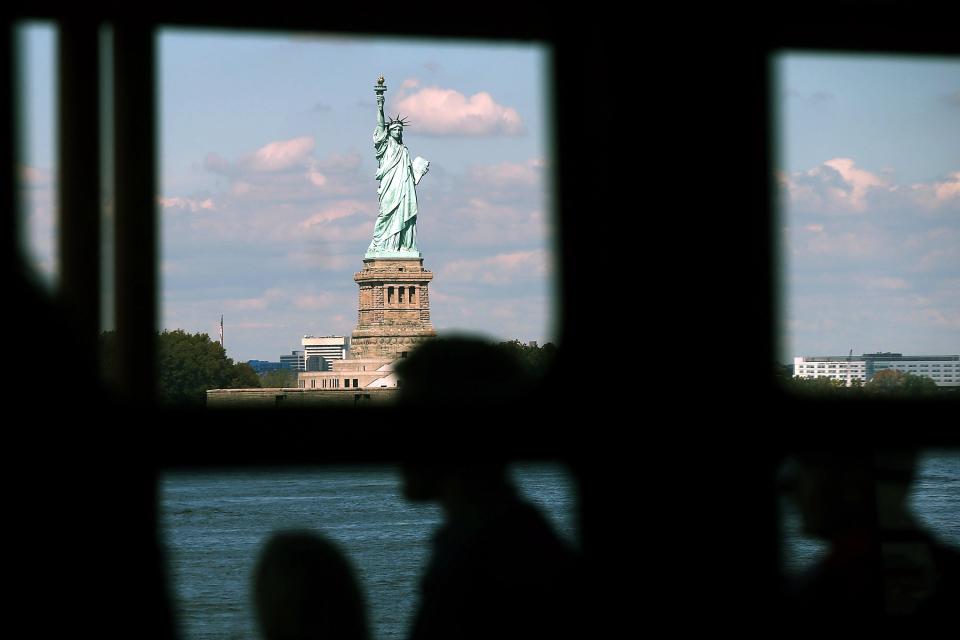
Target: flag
221,330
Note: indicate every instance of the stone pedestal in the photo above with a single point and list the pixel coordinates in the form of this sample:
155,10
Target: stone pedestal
394,310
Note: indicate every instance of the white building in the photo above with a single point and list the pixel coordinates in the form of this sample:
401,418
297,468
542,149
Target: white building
328,347
833,367
363,373
944,370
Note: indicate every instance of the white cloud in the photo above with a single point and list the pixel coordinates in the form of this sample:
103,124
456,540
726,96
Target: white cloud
836,186
286,171
839,186
948,189
863,243
940,193
476,221
268,299
858,179
337,211
940,258
506,174
281,155
503,268
316,301
445,112
354,233
339,162
317,178
934,318
247,304
34,177
437,296
187,204
883,283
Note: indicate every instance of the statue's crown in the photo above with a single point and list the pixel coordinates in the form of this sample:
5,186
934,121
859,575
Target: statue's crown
398,120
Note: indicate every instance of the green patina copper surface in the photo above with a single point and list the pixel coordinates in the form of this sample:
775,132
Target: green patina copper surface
395,232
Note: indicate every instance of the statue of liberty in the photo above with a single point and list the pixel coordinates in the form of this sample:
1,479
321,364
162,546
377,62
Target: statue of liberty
395,232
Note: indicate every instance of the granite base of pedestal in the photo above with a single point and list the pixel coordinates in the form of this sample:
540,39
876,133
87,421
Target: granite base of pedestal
393,315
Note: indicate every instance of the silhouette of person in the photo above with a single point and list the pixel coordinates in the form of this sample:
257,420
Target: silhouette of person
462,373
880,562
305,589
497,568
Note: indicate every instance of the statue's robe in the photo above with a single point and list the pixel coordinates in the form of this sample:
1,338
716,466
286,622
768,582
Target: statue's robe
396,228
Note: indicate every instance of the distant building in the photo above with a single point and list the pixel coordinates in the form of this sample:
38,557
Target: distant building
329,348
263,366
944,370
317,363
295,361
349,383
363,373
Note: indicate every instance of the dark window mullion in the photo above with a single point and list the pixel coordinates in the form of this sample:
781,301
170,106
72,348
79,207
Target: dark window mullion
79,187
135,261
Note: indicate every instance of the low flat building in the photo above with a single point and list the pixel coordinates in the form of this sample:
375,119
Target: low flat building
362,373
263,366
943,370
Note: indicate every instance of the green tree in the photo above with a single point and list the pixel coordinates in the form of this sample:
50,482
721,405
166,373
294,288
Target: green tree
189,365
244,377
897,383
822,386
536,360
279,378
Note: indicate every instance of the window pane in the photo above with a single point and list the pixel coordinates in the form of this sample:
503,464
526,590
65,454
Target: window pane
868,184
267,200
37,153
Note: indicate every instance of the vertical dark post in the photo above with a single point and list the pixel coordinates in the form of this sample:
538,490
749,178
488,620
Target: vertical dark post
135,232
135,278
79,187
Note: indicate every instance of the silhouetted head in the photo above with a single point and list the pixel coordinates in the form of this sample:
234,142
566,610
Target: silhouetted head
841,493
463,373
305,588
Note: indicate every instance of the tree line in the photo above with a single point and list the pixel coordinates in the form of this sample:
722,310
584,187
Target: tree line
189,364
888,382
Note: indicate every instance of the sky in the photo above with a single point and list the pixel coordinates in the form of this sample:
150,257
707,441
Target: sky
267,197
868,189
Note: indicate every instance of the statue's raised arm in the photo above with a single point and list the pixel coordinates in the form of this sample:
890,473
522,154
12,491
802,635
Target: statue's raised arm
381,122
395,233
